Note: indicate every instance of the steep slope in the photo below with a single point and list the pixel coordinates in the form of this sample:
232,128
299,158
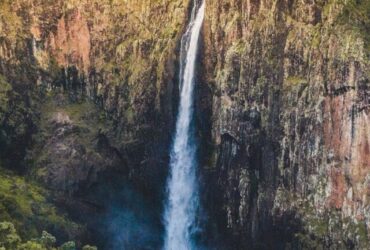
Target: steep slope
288,90
117,54
88,90
89,94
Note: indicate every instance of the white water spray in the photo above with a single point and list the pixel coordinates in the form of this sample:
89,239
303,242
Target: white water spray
182,186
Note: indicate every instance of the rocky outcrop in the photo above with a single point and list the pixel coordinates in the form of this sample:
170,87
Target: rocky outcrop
73,151
289,83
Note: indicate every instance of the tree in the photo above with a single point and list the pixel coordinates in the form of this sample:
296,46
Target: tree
9,239
31,245
47,240
70,245
88,247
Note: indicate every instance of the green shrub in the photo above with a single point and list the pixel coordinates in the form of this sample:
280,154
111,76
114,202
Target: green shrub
70,245
32,245
9,239
47,239
88,247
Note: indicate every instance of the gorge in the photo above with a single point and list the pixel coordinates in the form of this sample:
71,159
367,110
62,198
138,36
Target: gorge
101,100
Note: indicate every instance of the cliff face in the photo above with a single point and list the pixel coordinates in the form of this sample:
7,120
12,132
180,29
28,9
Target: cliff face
288,92
91,86
88,90
117,54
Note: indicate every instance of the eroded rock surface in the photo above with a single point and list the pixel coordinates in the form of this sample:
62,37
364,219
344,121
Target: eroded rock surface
282,111
289,83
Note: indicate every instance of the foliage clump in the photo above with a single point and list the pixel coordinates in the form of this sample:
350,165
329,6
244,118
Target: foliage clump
26,205
10,240
88,247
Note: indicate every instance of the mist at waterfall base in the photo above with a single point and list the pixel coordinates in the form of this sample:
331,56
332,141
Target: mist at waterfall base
133,222
129,219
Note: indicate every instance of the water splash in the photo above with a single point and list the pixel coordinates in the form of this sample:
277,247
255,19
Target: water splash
182,185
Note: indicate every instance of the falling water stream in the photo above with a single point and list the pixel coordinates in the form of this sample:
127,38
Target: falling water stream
182,201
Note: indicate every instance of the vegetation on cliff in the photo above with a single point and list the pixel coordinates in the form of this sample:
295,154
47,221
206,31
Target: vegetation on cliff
17,123
30,208
290,84
87,88
85,93
10,240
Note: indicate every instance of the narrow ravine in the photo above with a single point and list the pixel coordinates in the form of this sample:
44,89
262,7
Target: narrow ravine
182,201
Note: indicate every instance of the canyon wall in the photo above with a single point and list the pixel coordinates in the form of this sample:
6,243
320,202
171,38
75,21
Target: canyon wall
88,90
120,55
288,90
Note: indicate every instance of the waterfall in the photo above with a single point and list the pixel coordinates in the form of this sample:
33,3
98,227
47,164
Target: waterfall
182,201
